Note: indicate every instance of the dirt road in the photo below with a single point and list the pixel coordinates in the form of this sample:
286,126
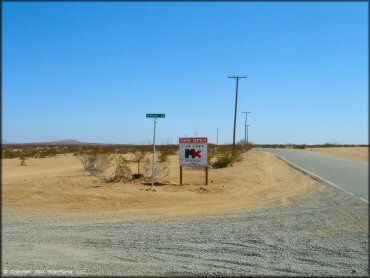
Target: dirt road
325,233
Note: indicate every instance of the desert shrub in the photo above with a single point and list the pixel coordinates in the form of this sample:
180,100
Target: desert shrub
165,151
226,156
212,149
137,176
163,156
95,164
22,161
228,150
139,156
226,159
10,153
222,162
161,170
42,153
299,147
168,149
122,170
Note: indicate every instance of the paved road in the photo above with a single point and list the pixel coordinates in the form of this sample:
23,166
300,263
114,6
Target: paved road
350,175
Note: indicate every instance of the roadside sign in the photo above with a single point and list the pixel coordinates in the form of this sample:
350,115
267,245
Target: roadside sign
193,152
155,115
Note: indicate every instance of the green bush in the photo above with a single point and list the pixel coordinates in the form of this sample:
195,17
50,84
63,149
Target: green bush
223,162
226,155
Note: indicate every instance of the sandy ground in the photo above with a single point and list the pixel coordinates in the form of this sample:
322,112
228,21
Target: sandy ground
356,153
59,186
259,217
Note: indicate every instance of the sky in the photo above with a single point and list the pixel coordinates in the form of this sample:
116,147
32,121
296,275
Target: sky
90,71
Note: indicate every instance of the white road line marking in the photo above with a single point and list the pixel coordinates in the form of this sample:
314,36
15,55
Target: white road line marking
318,177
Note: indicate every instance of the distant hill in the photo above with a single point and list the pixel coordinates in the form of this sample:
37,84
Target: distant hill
60,142
66,142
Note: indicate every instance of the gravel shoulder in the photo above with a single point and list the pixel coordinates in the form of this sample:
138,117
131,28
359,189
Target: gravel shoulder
324,233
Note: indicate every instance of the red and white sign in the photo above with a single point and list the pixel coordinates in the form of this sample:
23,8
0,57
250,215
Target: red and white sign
193,152
193,140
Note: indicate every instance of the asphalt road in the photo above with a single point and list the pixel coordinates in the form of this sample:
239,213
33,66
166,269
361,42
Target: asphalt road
350,175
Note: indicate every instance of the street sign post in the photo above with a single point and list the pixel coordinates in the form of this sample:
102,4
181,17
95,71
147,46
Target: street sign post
154,117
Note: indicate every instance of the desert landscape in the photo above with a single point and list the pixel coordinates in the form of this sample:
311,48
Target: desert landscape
251,210
174,139
60,186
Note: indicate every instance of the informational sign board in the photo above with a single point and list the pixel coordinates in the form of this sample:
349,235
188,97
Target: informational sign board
193,152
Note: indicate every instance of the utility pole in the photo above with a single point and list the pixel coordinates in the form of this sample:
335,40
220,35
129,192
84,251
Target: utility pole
245,129
247,133
217,136
237,77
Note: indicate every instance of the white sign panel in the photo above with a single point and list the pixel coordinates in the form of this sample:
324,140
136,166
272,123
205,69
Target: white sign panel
193,152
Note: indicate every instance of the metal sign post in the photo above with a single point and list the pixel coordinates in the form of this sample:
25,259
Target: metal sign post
153,163
154,116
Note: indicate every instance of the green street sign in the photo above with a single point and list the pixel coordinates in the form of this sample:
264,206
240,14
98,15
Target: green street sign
155,115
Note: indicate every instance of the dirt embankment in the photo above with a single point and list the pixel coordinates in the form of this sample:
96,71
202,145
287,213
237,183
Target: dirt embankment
356,153
59,186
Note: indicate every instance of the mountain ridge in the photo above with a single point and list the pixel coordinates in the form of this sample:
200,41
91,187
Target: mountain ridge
58,142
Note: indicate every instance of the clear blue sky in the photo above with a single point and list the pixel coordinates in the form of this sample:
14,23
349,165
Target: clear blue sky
91,71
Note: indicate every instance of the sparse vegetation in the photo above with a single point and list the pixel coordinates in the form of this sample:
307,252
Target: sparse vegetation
302,147
165,151
211,151
222,161
122,170
139,156
161,170
95,164
225,155
22,161
163,156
